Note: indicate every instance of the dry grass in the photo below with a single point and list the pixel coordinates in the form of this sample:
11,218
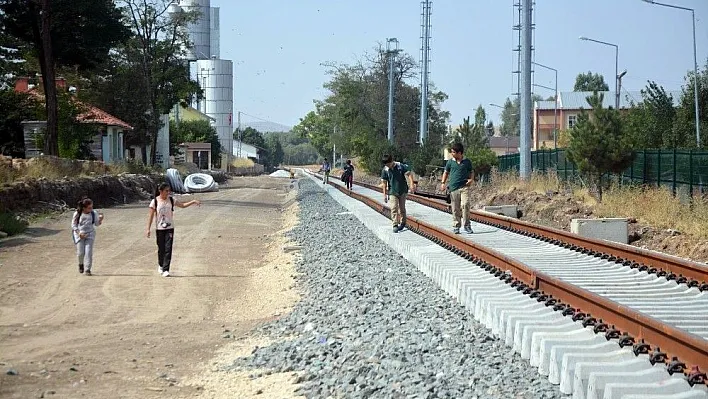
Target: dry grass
656,207
242,163
540,183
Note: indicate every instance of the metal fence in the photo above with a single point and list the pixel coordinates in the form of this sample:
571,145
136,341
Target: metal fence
677,170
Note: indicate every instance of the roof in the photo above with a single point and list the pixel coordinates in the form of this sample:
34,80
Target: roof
197,146
578,99
91,115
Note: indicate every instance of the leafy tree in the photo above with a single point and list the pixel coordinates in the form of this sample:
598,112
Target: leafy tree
683,133
651,121
251,136
590,82
62,32
598,144
195,132
470,136
151,68
429,154
354,116
274,151
510,116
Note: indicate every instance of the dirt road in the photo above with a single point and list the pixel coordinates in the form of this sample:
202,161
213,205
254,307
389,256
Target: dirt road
126,331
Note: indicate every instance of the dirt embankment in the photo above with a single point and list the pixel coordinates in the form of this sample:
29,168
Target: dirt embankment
44,194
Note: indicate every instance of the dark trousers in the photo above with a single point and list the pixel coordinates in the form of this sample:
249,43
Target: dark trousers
164,247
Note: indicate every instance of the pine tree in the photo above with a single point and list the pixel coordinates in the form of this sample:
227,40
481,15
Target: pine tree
598,144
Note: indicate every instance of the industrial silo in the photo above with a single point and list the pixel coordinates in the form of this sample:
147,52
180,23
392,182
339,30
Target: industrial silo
215,76
200,30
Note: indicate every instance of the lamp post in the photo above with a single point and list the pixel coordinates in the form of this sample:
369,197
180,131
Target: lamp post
695,64
555,98
617,94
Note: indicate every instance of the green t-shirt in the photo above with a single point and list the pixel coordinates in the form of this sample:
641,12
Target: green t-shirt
458,173
396,178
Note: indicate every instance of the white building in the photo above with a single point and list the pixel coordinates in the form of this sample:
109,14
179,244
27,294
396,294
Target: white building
245,151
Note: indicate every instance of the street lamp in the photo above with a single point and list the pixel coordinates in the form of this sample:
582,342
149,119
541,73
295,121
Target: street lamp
695,64
555,107
391,51
617,94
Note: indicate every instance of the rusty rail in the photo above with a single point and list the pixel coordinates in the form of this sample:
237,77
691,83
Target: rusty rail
640,330
681,270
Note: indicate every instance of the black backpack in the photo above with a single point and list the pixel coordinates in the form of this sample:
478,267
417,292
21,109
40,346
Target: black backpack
172,201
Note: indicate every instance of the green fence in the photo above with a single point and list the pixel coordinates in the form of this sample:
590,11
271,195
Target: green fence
684,170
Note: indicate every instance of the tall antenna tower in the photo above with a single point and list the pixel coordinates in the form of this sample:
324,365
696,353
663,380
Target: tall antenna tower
425,6
518,19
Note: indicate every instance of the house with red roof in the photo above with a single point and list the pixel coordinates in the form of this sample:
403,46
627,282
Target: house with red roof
108,144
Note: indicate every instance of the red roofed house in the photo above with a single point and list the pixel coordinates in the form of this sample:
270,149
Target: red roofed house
108,144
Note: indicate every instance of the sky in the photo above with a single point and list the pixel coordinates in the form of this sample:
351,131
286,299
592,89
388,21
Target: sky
277,47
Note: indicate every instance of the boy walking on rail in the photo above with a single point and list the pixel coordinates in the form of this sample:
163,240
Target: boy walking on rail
326,167
393,177
459,176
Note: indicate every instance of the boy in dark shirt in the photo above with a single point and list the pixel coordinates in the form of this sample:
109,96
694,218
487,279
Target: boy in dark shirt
460,175
393,177
348,175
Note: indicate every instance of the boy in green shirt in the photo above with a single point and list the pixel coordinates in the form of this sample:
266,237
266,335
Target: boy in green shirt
393,177
460,176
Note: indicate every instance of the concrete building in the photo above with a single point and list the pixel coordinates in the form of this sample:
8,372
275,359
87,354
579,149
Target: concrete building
564,117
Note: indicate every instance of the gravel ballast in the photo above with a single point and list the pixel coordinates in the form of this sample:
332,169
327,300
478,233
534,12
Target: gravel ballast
370,325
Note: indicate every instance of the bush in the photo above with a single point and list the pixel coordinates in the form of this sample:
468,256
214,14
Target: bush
371,161
10,224
425,156
133,166
483,160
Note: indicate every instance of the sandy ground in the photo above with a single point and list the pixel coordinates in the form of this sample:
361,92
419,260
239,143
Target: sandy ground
126,332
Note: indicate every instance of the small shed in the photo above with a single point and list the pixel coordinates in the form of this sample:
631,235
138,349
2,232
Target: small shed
197,153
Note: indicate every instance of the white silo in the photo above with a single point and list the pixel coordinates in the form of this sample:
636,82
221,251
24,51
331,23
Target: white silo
200,30
216,78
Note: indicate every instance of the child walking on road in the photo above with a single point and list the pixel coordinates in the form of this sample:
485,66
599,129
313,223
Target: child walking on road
83,226
459,174
162,211
393,177
326,167
348,175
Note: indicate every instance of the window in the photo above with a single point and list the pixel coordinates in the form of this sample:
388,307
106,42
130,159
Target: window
571,121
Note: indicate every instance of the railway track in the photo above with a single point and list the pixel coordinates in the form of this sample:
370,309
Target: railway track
652,305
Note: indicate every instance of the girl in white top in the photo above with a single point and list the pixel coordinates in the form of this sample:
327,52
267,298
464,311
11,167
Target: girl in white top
83,226
162,211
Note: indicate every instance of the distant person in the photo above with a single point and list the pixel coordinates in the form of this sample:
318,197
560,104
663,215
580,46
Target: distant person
459,175
163,206
348,175
326,167
83,226
393,177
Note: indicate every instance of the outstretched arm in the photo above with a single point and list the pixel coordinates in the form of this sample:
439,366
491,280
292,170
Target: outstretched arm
179,204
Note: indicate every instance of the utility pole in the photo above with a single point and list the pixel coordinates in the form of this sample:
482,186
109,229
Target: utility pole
425,53
525,91
239,133
391,51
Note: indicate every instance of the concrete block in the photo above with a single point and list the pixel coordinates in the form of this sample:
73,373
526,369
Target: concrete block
584,370
666,387
692,394
511,211
598,381
610,229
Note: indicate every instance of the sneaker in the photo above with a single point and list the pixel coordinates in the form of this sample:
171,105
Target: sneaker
468,230
402,226
81,268
87,273
396,228
165,274
159,270
456,230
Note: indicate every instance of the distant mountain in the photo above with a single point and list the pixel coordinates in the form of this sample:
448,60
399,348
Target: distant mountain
265,127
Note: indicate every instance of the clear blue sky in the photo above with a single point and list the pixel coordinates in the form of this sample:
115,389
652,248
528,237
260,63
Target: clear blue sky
277,46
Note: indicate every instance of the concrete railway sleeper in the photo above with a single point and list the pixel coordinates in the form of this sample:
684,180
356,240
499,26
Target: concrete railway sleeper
682,271
557,316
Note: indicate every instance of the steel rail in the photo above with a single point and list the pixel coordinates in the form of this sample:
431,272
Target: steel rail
680,350
674,268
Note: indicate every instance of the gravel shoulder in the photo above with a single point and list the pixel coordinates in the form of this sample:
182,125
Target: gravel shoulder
126,332
370,325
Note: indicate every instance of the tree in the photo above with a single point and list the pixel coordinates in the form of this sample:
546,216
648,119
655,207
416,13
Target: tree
274,150
470,136
683,133
510,116
598,144
590,82
62,32
251,136
197,131
151,61
354,116
650,122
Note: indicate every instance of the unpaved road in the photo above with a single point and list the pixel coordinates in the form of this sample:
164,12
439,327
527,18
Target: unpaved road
127,332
